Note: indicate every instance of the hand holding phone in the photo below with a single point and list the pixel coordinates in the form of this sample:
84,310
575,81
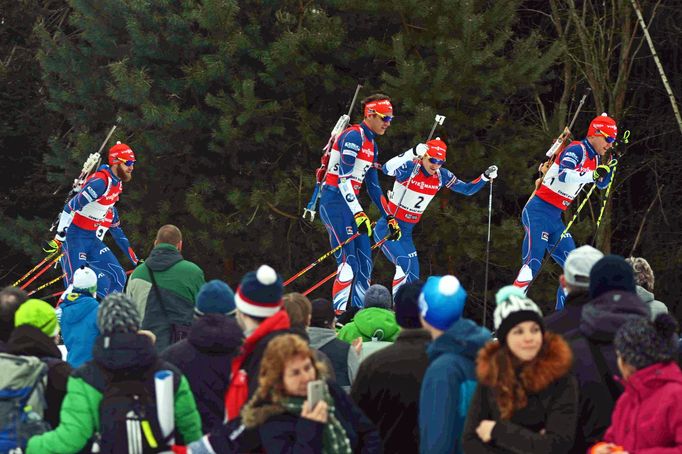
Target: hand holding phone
315,393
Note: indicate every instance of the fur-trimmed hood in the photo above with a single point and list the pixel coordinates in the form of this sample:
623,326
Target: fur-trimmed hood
256,413
553,362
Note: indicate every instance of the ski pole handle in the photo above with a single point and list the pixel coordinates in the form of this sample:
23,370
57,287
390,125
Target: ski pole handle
438,121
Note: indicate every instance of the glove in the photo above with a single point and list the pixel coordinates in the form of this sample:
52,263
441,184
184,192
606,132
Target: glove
362,221
394,232
600,172
420,150
53,246
490,173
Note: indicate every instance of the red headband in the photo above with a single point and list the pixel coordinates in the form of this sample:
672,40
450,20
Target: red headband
382,106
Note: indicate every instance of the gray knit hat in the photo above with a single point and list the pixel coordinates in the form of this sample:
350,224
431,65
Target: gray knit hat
642,343
117,314
378,296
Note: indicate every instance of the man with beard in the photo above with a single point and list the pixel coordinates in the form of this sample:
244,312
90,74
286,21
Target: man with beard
88,216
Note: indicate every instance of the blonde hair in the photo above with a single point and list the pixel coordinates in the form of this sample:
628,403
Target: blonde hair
644,275
278,353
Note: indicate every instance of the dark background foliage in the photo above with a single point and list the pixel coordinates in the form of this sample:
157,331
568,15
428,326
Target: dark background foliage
227,105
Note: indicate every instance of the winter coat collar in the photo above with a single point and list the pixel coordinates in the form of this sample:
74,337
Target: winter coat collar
162,257
216,333
602,316
279,321
647,381
124,351
463,338
553,362
319,337
29,340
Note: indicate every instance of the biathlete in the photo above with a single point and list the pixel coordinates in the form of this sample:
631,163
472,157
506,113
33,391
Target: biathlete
354,160
419,175
89,215
577,165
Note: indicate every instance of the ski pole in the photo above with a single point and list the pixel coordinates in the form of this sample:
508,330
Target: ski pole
437,121
487,254
563,234
21,279
46,285
319,260
41,272
377,245
605,200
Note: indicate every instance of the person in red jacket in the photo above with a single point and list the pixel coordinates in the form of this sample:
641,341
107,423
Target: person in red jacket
648,415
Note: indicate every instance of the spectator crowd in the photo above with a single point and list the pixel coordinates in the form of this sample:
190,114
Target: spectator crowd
177,364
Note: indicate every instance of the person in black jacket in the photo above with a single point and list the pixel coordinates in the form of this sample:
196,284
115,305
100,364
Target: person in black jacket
613,303
389,381
280,411
205,356
526,401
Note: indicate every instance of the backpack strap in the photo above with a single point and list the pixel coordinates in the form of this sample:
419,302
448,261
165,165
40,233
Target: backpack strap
602,368
157,292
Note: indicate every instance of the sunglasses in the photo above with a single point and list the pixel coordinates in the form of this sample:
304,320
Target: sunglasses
386,118
439,162
127,163
607,137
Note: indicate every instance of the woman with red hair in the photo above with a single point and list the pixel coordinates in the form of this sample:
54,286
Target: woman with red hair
285,421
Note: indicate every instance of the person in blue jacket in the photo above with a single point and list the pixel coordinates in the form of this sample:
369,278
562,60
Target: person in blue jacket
78,317
450,379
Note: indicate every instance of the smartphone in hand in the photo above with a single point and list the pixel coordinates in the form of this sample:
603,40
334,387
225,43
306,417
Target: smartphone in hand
315,392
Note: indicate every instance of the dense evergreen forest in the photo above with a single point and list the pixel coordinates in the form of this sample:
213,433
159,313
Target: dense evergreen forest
227,105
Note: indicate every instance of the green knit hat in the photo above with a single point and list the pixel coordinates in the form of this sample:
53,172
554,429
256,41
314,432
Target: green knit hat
39,314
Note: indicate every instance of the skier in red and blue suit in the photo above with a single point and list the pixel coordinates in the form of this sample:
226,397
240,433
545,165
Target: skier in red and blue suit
353,160
419,175
579,164
89,215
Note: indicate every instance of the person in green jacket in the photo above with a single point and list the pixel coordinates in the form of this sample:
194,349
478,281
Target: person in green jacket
120,348
376,322
167,308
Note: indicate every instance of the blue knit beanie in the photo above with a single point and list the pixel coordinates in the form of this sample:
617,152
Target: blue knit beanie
441,301
215,297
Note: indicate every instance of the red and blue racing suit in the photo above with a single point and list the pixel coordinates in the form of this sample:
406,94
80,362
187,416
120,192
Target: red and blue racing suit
407,202
94,214
541,217
353,160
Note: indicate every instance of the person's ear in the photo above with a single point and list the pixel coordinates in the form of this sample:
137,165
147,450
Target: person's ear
562,281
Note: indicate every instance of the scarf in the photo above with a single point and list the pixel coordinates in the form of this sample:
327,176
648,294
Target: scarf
334,438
